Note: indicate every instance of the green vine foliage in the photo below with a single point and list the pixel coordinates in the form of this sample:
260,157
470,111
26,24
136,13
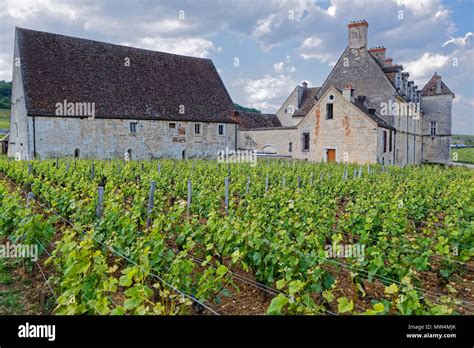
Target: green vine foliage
406,218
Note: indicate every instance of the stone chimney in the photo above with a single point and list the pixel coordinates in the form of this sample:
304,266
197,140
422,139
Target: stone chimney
388,62
305,84
379,54
347,92
358,34
438,84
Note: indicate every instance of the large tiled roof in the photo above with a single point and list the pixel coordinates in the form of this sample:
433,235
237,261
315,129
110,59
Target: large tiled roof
308,100
155,85
249,120
430,87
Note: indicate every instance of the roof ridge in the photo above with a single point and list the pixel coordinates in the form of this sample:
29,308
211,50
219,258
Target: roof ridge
19,29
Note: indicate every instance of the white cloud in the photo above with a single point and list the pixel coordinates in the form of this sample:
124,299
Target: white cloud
421,7
5,71
267,93
459,41
313,48
331,11
424,66
191,46
281,67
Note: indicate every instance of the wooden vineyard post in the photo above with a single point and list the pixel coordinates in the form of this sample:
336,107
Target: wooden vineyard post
190,192
299,181
226,182
100,202
344,177
29,168
266,183
247,185
368,169
311,179
92,171
151,202
67,166
355,173
29,197
42,301
57,163
159,168
360,172
284,182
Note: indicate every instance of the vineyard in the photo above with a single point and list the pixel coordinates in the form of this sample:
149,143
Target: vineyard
206,238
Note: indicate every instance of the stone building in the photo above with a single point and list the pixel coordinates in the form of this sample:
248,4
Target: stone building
437,105
82,98
378,115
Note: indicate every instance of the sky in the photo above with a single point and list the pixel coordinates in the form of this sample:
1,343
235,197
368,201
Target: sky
264,48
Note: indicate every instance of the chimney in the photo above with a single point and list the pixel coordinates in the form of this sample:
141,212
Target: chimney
438,84
305,84
388,62
379,54
347,92
358,34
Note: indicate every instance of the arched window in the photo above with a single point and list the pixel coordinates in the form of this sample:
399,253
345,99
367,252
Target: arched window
183,154
269,149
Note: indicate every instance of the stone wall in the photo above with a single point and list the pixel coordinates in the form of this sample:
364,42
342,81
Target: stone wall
351,133
437,149
264,139
293,101
111,138
18,146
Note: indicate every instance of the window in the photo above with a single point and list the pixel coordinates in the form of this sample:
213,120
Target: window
433,128
390,142
329,111
77,152
220,129
384,141
290,147
305,141
172,125
197,128
133,127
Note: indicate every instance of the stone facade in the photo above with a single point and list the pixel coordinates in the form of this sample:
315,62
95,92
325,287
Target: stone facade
437,147
354,136
282,140
111,138
290,107
181,111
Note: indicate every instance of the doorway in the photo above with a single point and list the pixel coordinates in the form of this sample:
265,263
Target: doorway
331,155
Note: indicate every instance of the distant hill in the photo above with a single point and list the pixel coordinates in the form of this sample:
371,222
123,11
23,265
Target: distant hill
243,108
462,139
5,94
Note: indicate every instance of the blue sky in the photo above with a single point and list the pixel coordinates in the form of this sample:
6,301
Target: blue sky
277,44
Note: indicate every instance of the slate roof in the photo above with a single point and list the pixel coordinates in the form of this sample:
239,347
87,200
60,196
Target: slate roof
430,87
359,102
249,120
57,68
308,100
